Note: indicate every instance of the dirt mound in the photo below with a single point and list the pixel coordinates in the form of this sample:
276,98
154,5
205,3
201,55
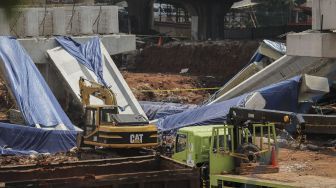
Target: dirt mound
222,58
140,83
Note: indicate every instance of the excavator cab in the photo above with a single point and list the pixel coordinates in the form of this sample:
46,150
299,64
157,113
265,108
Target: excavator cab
97,115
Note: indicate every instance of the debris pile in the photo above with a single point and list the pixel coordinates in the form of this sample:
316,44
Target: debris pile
37,159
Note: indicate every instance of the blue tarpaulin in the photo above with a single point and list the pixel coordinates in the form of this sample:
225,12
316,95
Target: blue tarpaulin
156,110
277,46
33,96
37,104
18,139
89,54
280,96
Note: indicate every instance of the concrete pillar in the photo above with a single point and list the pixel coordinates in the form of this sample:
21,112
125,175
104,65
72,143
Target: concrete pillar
141,15
194,27
59,25
31,22
207,17
211,18
4,25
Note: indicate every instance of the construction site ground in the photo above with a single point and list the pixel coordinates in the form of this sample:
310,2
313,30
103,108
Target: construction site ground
307,163
302,169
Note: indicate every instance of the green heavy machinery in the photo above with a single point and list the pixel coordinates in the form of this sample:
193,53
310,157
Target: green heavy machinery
246,145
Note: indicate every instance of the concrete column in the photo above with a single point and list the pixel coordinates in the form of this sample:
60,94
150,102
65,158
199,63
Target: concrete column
211,18
4,25
141,15
194,27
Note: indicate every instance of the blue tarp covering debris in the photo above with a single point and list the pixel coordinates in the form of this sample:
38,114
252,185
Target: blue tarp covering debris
156,110
18,139
277,46
89,54
32,94
36,102
280,96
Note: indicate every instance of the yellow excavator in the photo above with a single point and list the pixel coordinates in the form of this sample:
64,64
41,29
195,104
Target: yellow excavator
106,127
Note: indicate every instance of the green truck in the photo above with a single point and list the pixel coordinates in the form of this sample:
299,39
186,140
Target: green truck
233,155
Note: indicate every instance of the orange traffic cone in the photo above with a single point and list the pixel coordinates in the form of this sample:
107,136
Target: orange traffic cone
160,41
274,161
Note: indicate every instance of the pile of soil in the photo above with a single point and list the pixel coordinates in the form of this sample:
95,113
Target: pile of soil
140,83
215,58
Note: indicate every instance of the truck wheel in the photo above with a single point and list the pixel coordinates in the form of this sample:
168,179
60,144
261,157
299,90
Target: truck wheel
249,150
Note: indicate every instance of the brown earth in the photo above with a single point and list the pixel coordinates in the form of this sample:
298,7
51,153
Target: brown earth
219,58
304,168
139,82
321,163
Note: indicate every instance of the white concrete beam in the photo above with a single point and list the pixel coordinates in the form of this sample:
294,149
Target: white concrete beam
313,86
71,71
312,44
115,44
282,69
255,101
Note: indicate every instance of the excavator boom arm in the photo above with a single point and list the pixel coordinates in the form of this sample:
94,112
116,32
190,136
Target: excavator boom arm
96,90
